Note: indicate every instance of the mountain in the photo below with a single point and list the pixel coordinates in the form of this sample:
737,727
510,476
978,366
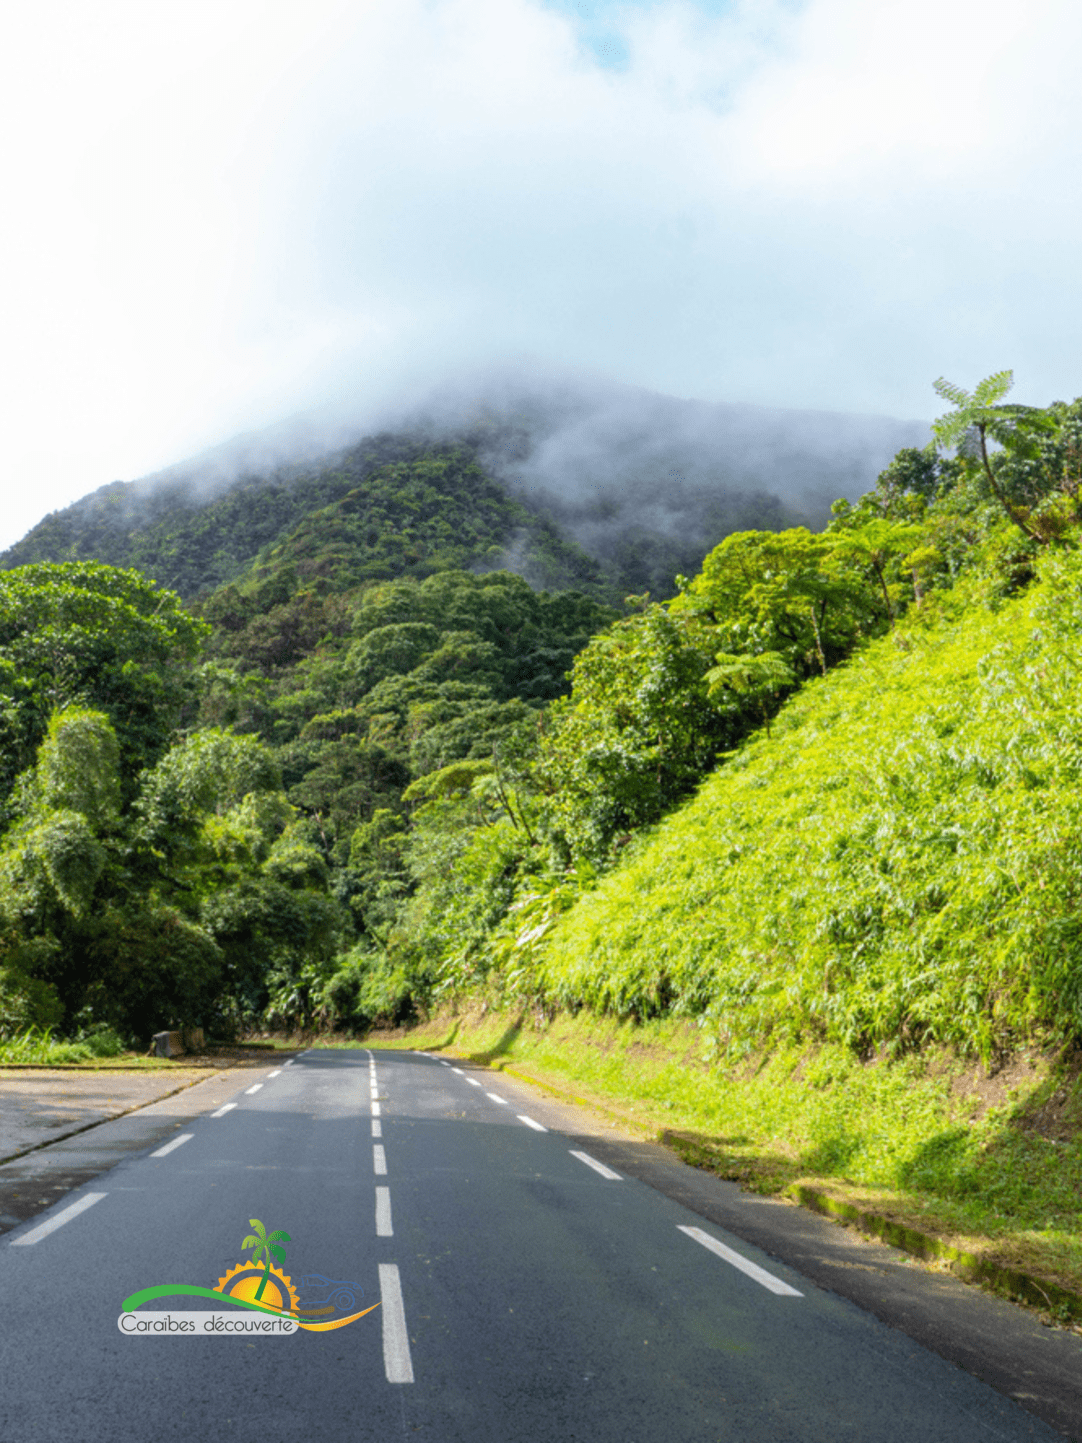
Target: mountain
582,483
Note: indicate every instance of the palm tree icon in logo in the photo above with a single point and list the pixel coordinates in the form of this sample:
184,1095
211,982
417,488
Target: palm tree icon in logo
265,1247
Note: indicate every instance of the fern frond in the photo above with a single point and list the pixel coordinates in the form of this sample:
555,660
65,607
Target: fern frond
951,428
992,389
950,392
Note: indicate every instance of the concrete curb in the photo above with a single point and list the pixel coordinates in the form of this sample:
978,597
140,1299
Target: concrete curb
1009,1281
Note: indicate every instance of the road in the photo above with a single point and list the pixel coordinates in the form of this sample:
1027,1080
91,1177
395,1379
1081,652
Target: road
527,1290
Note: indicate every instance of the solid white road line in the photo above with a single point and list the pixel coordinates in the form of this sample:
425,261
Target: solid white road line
249,1090
170,1146
745,1265
597,1166
493,1098
397,1363
377,1127
530,1123
276,1073
379,1160
87,1200
375,1109
223,1110
473,1081
383,1213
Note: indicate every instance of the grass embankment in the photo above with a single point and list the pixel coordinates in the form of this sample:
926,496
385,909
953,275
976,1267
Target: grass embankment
899,863
988,1165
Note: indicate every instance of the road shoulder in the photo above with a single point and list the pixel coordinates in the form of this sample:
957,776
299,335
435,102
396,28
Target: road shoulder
1005,1346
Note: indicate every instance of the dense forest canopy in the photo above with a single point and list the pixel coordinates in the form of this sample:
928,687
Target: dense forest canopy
374,766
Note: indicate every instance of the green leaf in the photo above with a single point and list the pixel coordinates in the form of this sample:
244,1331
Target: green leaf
992,389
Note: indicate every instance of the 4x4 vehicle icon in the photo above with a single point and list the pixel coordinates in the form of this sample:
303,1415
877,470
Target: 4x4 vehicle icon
314,1290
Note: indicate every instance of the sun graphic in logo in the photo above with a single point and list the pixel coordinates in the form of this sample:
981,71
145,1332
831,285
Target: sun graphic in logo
243,1281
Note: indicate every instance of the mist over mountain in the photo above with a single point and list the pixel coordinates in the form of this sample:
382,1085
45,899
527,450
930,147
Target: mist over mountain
649,483
645,484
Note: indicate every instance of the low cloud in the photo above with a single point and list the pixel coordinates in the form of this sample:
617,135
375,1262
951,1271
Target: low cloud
224,217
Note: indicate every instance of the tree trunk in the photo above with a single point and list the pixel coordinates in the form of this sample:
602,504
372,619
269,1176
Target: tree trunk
1008,506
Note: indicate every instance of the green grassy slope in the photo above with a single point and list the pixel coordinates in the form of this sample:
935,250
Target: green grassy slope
897,863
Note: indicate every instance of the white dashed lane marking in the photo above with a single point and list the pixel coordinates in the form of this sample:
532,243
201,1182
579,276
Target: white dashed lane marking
530,1123
599,1167
72,1211
172,1146
397,1363
223,1110
745,1265
384,1229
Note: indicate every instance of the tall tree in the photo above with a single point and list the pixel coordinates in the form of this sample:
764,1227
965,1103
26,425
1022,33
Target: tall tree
979,417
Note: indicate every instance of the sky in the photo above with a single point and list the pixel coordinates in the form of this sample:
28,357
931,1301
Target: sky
222,213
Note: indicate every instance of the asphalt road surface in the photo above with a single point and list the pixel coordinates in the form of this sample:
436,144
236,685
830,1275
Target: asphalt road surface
527,1291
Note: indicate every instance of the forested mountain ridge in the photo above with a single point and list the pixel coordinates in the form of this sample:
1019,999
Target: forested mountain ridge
643,484
391,505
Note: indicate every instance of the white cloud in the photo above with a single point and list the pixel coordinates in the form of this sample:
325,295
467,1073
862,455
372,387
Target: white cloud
223,212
